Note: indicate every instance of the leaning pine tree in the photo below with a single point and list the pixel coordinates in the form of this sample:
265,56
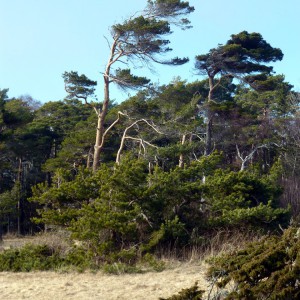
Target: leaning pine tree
139,40
245,56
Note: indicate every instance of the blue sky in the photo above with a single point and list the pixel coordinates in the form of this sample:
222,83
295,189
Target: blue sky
40,39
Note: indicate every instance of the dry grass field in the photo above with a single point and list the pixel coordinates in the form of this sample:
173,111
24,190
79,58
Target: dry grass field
59,286
87,285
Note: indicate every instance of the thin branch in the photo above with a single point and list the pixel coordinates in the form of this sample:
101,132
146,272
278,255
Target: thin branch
108,44
125,136
249,156
111,126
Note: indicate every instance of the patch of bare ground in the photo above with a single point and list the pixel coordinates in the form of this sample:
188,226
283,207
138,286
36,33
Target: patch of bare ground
52,285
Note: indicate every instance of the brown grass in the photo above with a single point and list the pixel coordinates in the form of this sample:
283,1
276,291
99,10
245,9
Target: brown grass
50,285
179,274
221,241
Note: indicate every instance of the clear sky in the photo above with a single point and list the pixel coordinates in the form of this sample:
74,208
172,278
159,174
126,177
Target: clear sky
41,39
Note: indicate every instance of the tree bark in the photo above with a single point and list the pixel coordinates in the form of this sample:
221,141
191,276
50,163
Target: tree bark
181,158
19,204
100,125
209,116
98,142
103,113
89,156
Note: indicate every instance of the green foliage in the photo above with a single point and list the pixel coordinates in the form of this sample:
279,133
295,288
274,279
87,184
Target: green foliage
244,53
244,197
142,38
17,113
43,258
78,86
60,201
255,47
127,80
153,263
29,258
111,222
268,269
9,200
77,258
169,232
125,212
170,8
192,293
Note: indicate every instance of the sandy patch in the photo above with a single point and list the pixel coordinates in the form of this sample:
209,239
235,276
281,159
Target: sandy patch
56,286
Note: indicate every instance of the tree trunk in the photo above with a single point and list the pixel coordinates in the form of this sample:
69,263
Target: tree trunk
181,158
102,113
118,158
208,133
100,126
209,116
97,147
19,204
88,161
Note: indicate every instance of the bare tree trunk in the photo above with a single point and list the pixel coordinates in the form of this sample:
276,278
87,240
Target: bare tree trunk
102,113
248,157
208,142
97,147
118,158
100,125
181,158
209,116
19,204
88,161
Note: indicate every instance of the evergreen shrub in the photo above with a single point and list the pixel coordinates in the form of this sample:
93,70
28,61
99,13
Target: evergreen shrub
192,293
120,214
43,258
268,269
30,258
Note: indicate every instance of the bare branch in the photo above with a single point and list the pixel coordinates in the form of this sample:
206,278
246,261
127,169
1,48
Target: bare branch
111,126
249,156
125,136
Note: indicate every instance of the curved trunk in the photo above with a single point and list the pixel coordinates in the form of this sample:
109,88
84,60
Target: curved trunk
102,113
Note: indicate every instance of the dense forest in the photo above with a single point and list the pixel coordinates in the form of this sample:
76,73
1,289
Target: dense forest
170,166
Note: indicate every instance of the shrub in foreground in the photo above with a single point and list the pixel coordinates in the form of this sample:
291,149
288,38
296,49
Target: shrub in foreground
192,293
269,269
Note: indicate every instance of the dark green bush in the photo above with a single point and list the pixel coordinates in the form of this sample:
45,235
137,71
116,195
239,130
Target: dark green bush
268,269
119,214
43,258
153,263
192,293
30,258
80,259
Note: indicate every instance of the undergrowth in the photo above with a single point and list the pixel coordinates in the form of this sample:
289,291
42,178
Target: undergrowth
55,251
192,293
